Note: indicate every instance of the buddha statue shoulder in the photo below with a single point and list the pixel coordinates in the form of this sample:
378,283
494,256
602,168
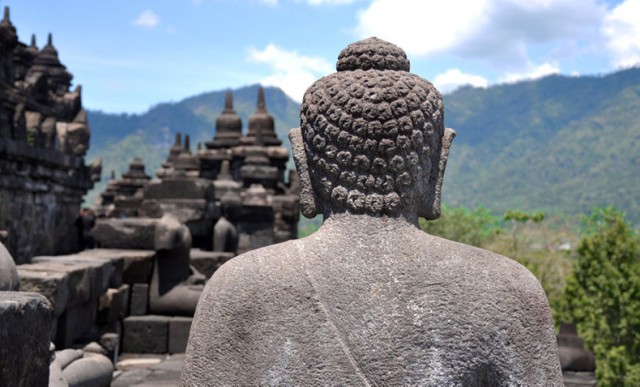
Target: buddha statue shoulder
371,299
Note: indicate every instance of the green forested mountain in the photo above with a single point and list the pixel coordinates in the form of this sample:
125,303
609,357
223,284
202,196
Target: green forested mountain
118,138
559,143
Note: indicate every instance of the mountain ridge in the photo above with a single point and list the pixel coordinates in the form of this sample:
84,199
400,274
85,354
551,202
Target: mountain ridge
559,143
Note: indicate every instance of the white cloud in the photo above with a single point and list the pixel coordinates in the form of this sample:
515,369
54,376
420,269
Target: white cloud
420,27
622,31
533,73
500,32
271,3
147,19
292,72
454,78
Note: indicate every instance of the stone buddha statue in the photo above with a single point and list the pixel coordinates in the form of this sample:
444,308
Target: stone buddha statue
8,273
370,299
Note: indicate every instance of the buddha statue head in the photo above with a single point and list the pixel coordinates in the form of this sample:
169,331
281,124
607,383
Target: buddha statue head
372,138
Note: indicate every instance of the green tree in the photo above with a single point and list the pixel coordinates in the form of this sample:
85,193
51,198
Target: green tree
603,297
473,227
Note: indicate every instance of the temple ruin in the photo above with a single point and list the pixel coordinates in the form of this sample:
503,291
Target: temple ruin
44,135
249,170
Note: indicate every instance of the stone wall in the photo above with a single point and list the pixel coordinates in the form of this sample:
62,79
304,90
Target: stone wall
40,196
44,135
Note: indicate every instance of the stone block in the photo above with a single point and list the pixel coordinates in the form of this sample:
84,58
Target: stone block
139,303
97,271
25,320
95,371
54,285
131,233
185,210
75,322
125,298
79,277
207,262
8,273
110,306
146,334
138,268
254,236
130,266
179,328
180,189
111,343
255,227
117,262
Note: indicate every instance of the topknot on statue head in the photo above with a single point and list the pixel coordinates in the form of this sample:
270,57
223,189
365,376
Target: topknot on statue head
373,135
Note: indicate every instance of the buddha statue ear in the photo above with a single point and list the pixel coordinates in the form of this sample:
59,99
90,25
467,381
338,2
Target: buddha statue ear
309,203
430,205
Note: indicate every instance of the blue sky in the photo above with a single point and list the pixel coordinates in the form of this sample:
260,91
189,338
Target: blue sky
131,54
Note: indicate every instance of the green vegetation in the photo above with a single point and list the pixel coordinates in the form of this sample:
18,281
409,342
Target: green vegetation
307,227
559,143
473,227
603,297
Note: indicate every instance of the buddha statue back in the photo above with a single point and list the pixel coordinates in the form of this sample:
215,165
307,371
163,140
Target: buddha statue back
370,298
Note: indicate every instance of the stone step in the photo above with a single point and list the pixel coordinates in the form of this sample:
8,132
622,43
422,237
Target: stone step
156,334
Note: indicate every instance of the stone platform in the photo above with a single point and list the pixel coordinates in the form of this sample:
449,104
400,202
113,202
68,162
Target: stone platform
148,370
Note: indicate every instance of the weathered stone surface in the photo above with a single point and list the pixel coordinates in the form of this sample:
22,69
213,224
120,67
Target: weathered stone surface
137,265
53,285
190,186
148,370
125,298
255,227
67,356
179,328
87,278
117,263
25,321
579,379
111,343
131,233
79,277
90,371
573,355
8,273
94,347
207,262
370,299
55,376
110,306
170,291
139,304
185,210
146,334
287,214
48,196
578,364
197,214
44,135
175,189
74,322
